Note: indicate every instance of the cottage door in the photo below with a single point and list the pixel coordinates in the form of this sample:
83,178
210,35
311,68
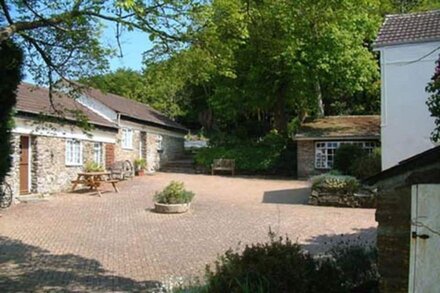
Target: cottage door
109,154
425,239
24,164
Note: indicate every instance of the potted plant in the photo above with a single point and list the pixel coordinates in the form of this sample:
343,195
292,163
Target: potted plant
91,166
173,199
139,166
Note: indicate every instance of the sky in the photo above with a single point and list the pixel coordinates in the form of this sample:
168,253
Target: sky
133,44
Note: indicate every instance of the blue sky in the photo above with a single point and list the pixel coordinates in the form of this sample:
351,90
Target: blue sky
133,44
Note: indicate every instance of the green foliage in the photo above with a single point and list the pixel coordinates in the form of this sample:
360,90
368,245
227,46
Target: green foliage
272,154
11,59
282,266
91,166
434,101
367,165
174,193
140,164
335,183
345,157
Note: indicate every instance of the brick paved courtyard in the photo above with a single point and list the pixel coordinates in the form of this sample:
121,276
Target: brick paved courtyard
80,242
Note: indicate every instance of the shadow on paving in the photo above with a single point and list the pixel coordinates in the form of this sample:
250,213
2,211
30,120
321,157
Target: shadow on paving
29,268
322,243
287,196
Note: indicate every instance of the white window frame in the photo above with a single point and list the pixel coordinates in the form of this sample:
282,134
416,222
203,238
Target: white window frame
127,138
326,149
72,158
159,141
98,153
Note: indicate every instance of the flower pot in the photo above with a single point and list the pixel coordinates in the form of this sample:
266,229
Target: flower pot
171,208
140,172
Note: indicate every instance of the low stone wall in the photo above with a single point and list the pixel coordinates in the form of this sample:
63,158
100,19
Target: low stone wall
363,199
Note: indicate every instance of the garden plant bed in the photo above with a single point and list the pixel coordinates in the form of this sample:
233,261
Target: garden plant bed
357,200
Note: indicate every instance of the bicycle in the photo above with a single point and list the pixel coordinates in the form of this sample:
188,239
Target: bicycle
5,195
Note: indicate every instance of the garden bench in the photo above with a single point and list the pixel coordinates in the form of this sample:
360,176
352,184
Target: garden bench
121,170
223,165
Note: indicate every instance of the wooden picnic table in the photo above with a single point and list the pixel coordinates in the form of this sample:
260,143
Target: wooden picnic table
94,180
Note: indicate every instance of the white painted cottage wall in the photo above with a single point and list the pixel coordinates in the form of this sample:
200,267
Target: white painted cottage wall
406,122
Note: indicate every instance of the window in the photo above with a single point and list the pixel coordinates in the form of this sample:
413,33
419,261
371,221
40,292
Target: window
159,139
73,152
97,153
127,138
325,151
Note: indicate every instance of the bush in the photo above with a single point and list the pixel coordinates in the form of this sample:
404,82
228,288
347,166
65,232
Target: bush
335,183
93,167
345,156
367,165
272,154
174,193
140,164
282,266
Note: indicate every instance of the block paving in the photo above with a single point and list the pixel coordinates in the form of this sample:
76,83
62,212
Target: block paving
79,242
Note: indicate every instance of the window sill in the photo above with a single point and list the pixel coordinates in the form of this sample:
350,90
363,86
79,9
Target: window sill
73,165
127,148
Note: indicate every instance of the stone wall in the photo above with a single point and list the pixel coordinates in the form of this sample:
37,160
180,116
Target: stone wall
173,147
122,154
49,171
305,158
13,177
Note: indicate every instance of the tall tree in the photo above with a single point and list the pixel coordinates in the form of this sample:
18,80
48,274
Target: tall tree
11,58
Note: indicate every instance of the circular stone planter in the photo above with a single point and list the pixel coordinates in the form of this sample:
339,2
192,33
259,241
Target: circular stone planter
171,208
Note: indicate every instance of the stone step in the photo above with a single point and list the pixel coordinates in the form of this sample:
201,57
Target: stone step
32,198
178,170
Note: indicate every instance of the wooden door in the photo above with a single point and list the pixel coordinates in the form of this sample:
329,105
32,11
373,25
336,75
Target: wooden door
425,239
109,154
24,164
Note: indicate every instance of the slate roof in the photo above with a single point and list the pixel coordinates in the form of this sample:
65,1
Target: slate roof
340,127
35,100
409,28
133,109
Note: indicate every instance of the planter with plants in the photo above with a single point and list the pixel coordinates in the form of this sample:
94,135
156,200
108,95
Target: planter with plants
173,199
93,167
140,165
342,191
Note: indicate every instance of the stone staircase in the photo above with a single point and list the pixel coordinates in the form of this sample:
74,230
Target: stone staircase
183,164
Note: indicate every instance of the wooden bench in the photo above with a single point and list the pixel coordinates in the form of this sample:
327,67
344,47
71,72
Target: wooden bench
114,182
223,165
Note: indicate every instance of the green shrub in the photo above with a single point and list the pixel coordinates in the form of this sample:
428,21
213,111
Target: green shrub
174,193
272,154
140,164
367,165
93,167
335,183
345,156
282,266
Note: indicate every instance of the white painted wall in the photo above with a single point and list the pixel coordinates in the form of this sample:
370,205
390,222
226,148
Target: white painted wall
98,107
406,122
33,127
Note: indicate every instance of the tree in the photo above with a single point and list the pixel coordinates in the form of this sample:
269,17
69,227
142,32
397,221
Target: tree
61,40
433,101
65,35
11,59
269,61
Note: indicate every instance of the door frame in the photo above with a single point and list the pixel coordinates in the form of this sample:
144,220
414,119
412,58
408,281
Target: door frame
29,162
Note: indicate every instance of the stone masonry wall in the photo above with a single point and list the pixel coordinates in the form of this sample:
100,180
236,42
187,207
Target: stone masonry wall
305,158
132,154
13,177
173,147
49,171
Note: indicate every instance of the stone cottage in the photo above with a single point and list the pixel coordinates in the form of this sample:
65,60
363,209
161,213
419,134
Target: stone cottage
318,139
142,131
408,234
51,147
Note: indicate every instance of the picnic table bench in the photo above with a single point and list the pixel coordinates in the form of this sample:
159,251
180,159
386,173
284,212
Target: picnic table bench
223,165
94,180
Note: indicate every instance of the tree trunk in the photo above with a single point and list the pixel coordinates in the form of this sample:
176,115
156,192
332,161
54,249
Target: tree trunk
280,119
319,98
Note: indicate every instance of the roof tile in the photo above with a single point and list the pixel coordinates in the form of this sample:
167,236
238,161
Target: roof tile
409,28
